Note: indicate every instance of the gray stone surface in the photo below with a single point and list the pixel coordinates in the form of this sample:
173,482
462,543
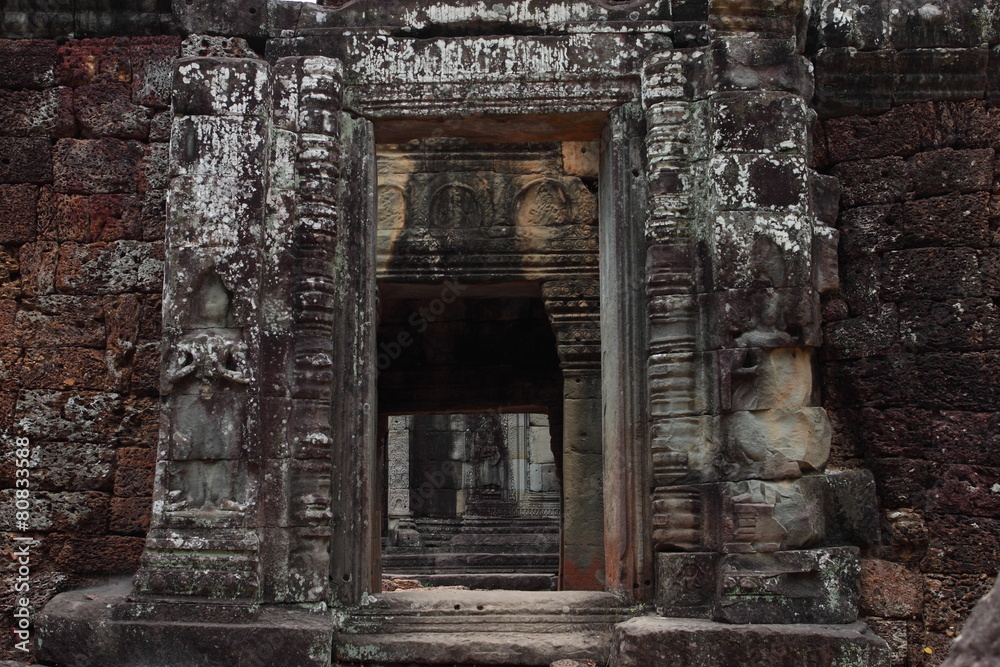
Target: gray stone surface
978,645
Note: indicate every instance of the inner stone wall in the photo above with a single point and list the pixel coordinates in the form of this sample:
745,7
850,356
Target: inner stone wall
83,154
912,348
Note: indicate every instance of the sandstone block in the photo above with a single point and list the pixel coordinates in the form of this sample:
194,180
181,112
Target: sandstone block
759,182
940,74
212,210
759,122
760,64
852,82
759,248
221,87
228,146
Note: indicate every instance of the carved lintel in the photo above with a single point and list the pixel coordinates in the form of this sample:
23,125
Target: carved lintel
573,307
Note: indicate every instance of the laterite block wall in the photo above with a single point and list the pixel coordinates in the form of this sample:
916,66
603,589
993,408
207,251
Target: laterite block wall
84,127
911,361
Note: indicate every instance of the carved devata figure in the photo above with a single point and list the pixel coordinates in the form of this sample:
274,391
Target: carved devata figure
207,414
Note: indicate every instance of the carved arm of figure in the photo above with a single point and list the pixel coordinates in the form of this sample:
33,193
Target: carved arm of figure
183,363
231,364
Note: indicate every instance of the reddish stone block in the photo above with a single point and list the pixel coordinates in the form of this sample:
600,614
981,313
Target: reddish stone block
879,181
10,366
130,516
64,368
895,432
146,370
58,320
27,63
964,437
76,416
901,482
107,110
935,273
139,425
962,545
25,160
863,336
952,220
99,555
153,68
976,125
901,132
968,490
950,381
152,213
68,466
8,312
870,382
989,271
86,61
79,512
890,590
18,213
904,536
8,400
154,169
38,263
957,325
96,166
34,113
110,268
950,599
948,170
87,219
151,319
134,473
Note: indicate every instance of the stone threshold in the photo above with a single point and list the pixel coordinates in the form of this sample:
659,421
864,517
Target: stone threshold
492,627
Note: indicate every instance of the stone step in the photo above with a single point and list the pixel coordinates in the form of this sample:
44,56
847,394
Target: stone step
471,562
483,581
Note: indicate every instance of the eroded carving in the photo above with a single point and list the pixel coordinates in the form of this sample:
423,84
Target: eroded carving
456,206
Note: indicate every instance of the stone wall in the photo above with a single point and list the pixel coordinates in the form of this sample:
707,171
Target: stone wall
911,357
83,171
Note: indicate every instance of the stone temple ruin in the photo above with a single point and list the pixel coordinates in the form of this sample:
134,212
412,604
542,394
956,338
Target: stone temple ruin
627,314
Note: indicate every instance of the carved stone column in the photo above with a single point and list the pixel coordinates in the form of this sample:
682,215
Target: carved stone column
740,249
573,308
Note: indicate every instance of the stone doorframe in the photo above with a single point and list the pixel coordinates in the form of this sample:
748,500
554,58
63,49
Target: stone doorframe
715,242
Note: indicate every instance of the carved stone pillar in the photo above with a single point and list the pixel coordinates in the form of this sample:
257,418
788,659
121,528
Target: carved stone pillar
204,537
739,253
573,308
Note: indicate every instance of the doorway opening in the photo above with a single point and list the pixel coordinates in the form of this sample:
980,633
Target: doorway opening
488,333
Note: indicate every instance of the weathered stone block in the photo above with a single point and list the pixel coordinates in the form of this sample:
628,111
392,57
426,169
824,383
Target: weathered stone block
989,267
936,273
824,197
890,590
687,584
900,132
99,555
73,368
858,24
17,213
764,517
947,170
853,82
130,516
762,249
851,508
761,318
698,643
38,263
134,472
97,166
47,113
217,146
107,110
825,261
759,379
231,17
24,160
965,490
952,220
760,122
863,336
234,271
71,466
957,325
60,321
815,586
940,74
743,63
121,266
760,182
880,181
93,60
152,61
213,210
685,449
961,545
27,63
221,87
912,26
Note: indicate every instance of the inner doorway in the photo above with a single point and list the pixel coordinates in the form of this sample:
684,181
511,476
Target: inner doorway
488,311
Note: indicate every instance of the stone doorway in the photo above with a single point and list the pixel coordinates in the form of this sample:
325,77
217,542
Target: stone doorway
489,303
